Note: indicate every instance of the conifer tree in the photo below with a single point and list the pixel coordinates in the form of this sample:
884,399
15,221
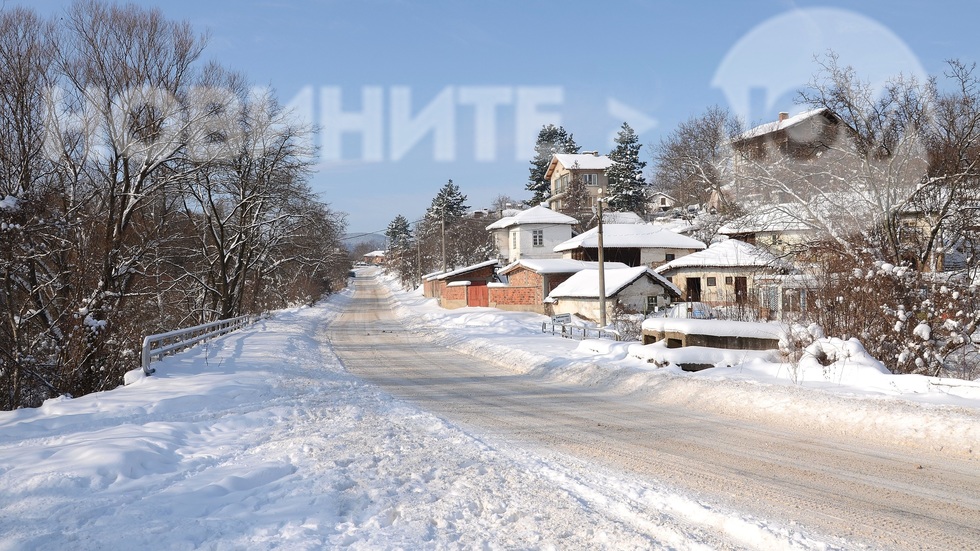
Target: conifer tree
448,204
627,189
398,233
551,140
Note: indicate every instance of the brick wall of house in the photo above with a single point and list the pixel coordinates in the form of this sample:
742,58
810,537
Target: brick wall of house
454,293
512,297
525,278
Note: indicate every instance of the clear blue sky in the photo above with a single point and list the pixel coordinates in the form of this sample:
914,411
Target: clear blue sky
475,80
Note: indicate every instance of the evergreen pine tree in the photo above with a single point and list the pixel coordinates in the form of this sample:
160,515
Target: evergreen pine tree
627,189
551,140
448,204
398,233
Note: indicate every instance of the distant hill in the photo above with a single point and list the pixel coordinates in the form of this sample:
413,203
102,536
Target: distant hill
362,241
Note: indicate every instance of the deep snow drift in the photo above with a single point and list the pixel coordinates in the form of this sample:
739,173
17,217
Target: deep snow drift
260,440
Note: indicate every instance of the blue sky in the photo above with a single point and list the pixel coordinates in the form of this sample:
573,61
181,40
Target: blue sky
442,89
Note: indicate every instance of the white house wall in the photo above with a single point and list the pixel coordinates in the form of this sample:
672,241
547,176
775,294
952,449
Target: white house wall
634,296
554,235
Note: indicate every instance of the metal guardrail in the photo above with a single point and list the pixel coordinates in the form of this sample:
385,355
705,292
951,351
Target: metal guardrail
569,331
162,344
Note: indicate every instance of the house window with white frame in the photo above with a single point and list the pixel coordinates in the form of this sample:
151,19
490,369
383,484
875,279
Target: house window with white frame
513,240
590,179
537,238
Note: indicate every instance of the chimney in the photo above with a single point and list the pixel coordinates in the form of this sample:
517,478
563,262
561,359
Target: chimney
783,115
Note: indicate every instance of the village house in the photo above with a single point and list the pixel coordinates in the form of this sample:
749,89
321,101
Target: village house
723,274
374,258
802,136
529,281
565,168
637,289
631,244
778,228
660,202
532,233
461,287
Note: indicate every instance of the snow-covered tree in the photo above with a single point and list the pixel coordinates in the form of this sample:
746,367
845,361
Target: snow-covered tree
900,176
627,188
399,232
449,205
551,140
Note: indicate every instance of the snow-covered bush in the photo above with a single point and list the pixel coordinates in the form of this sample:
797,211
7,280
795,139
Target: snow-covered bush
912,321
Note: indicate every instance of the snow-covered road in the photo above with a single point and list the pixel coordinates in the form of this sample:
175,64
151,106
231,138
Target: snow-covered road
838,486
262,439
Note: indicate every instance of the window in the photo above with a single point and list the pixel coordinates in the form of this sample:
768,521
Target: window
729,280
652,303
669,256
711,282
513,240
537,238
590,179
663,201
562,183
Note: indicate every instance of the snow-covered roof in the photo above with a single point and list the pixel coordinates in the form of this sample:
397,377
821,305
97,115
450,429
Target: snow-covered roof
630,236
621,218
539,214
777,125
586,161
458,271
557,265
375,254
730,253
585,284
776,218
718,328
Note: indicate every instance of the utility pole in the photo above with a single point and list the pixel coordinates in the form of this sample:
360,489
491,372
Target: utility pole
442,223
602,272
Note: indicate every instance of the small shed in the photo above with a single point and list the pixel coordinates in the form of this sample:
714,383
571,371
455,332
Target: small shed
463,286
638,288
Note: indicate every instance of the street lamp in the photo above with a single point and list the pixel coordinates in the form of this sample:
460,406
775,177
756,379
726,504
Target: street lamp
602,272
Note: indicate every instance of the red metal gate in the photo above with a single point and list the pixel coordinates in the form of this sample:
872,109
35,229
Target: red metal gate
477,295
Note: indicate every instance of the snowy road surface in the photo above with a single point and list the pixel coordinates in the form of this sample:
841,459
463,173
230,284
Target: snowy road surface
261,439
842,489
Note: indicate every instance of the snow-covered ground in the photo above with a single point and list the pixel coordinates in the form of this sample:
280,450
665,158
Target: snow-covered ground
261,440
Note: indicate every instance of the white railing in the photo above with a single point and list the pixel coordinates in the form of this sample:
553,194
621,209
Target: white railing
570,331
159,345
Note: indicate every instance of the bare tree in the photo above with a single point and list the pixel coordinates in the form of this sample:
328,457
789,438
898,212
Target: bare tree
693,163
32,232
896,176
